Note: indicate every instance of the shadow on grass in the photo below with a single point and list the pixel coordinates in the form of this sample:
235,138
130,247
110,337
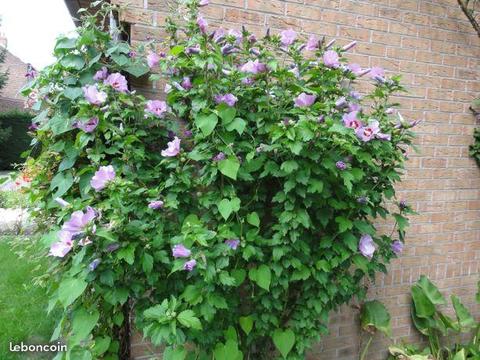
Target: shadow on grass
23,305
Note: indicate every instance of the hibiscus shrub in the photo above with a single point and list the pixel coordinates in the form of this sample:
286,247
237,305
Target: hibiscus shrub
228,220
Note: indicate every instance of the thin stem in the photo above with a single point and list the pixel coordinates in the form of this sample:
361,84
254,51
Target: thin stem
365,349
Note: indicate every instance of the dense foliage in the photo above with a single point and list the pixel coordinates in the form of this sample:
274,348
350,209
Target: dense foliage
430,319
475,147
14,126
235,216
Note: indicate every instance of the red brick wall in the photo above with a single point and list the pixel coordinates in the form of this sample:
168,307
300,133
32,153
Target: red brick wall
432,45
9,95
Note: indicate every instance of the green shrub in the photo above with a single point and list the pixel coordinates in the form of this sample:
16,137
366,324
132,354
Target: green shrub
475,147
238,234
15,139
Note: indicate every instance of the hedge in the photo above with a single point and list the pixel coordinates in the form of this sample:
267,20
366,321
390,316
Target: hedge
14,145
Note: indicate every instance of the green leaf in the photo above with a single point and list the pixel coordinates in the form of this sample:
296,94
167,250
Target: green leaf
424,308
59,125
284,341
72,92
147,264
375,315
65,43
460,355
264,277
253,219
229,351
206,123
431,291
176,50
226,113
238,125
239,275
464,318
188,319
72,61
101,345
177,353
127,254
246,323
226,207
137,70
229,167
289,166
62,182
83,323
70,289
344,224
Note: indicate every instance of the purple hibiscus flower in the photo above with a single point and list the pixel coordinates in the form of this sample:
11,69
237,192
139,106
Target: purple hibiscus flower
180,251
93,95
331,59
232,243
156,107
202,24
341,165
87,126
62,247
253,67
236,34
219,157
376,73
192,50
366,246
93,265
312,43
190,265
156,204
102,177
228,99
367,133
287,37
351,120
101,74
304,100
218,35
173,148
153,60
186,83
117,81
397,247
79,221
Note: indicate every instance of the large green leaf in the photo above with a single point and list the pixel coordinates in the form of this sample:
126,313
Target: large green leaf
246,323
375,315
70,289
63,181
226,113
82,324
424,308
72,61
206,123
431,291
464,318
229,167
188,319
226,207
262,276
284,341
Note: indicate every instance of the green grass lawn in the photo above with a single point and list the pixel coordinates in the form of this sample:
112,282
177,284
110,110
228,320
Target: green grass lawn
23,305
